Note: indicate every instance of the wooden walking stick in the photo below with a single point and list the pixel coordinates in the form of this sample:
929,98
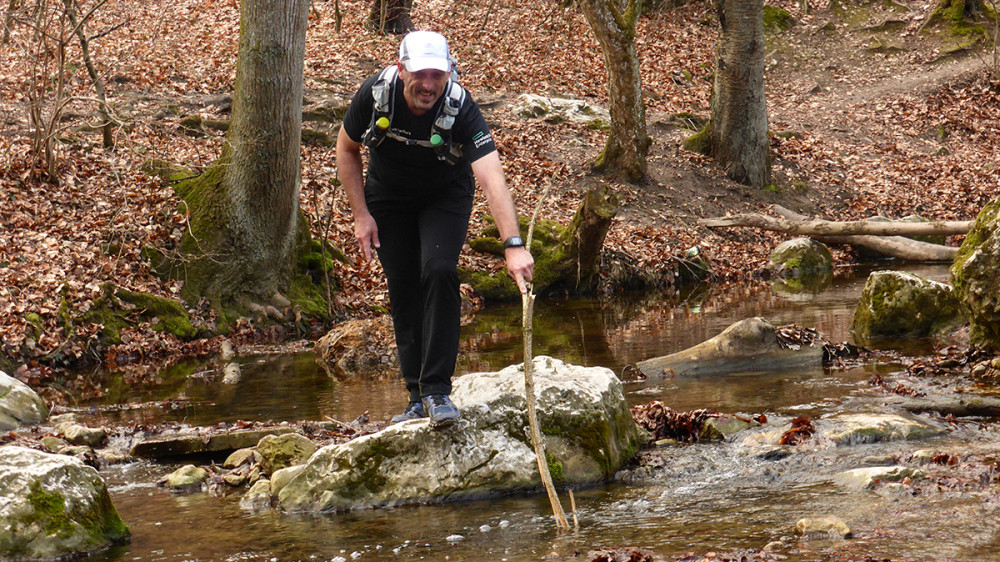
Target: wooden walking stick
527,309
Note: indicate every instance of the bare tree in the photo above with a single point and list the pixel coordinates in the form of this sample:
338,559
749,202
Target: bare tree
614,23
46,30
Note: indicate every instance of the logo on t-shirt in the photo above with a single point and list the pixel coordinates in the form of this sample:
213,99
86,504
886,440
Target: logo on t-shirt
481,138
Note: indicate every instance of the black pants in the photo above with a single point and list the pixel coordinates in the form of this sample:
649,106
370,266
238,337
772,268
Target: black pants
420,243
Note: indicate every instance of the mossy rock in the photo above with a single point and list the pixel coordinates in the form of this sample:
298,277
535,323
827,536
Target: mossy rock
53,507
897,304
974,273
777,19
802,258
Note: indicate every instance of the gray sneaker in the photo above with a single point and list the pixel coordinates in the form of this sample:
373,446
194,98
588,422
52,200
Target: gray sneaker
440,409
413,411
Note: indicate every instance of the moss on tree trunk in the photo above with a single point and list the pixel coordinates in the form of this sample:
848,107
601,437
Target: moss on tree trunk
247,239
566,259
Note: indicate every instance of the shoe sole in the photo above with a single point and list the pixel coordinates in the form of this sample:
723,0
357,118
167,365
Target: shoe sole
443,423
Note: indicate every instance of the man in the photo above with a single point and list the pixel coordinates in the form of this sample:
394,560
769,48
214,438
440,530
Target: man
429,145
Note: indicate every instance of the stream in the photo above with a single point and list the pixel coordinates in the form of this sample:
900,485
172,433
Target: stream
720,496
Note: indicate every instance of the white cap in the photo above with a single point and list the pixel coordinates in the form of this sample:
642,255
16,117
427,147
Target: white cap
421,50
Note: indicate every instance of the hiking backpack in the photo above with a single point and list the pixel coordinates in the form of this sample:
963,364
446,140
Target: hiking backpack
383,94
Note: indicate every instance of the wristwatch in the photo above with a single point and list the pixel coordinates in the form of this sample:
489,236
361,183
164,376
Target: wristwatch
513,242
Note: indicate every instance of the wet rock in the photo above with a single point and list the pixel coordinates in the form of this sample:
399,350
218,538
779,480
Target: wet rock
775,454
854,429
53,506
957,404
258,498
53,444
241,457
226,351
231,373
829,527
187,477
724,426
83,435
235,479
195,441
282,451
974,275
358,345
747,345
282,477
867,478
19,405
897,304
588,431
802,258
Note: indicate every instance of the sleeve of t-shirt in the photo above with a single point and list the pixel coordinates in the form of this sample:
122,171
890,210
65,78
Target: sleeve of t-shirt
472,132
359,113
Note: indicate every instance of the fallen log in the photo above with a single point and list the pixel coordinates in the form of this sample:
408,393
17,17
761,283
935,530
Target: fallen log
893,246
818,227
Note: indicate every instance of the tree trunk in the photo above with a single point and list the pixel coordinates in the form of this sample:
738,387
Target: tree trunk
107,125
583,241
624,154
391,16
798,224
739,113
245,228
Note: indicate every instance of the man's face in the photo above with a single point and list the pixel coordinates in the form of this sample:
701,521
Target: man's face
422,88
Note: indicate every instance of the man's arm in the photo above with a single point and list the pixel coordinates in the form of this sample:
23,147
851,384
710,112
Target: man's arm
349,173
489,174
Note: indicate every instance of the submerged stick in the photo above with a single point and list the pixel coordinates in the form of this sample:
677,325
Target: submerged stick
527,309
572,507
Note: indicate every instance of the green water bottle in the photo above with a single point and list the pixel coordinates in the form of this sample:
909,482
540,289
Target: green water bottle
436,140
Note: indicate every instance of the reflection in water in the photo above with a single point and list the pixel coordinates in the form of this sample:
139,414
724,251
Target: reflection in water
710,496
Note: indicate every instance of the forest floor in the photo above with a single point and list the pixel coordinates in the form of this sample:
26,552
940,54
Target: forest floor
869,113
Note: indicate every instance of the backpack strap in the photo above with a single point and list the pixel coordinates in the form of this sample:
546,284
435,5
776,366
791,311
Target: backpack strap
382,96
454,98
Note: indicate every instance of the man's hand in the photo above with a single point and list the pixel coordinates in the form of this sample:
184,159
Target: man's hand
366,232
520,266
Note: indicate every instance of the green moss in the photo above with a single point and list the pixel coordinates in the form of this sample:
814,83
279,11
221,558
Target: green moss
65,316
49,511
172,317
555,468
951,15
599,125
106,312
777,19
978,235
701,142
166,170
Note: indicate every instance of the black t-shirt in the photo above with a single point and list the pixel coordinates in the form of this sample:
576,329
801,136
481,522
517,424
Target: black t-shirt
398,170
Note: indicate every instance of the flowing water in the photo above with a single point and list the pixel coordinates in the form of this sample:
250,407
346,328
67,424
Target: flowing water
715,496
